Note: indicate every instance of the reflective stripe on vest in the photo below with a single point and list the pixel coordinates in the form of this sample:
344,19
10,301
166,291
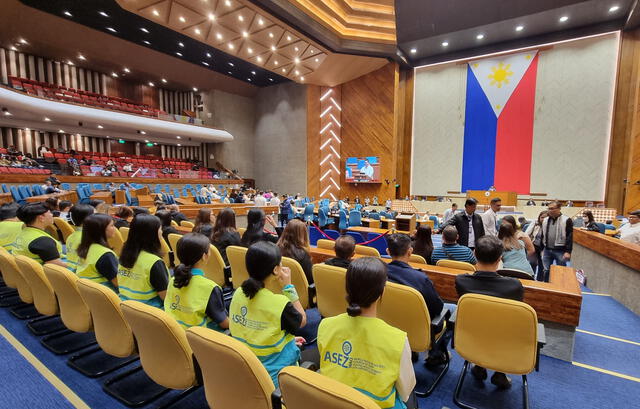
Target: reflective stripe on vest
9,230
363,353
87,266
24,239
73,241
256,321
188,304
135,283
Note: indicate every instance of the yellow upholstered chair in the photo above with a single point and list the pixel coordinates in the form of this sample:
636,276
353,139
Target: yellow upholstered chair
14,279
330,289
616,223
165,354
241,230
186,223
52,230
326,244
116,242
173,241
73,310
174,224
44,297
65,228
239,273
460,265
233,376
214,269
367,251
298,279
124,232
305,389
497,334
165,250
416,258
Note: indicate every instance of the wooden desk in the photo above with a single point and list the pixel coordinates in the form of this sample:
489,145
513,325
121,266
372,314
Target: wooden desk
6,198
615,249
508,198
557,301
387,223
370,223
104,196
70,195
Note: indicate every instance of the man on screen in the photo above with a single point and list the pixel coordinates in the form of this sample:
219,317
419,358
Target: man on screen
367,170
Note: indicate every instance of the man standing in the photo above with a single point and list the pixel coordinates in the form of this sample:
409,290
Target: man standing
631,231
557,238
468,224
449,213
259,200
490,217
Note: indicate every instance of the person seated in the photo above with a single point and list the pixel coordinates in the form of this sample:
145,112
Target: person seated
364,341
225,233
294,243
345,248
259,200
122,217
255,228
192,299
54,180
52,203
514,256
64,206
33,241
110,162
106,172
165,170
42,149
422,243
589,221
167,227
630,232
142,274
72,162
10,226
97,262
176,215
450,249
266,322
204,222
486,281
77,215
128,167
608,225
49,188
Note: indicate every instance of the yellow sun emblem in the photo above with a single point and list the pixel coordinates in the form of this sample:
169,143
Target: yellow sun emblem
500,75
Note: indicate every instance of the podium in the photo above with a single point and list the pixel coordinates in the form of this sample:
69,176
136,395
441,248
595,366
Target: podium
484,197
405,222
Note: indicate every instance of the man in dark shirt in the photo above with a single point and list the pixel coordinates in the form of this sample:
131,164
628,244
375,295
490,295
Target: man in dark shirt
345,249
469,224
176,215
486,281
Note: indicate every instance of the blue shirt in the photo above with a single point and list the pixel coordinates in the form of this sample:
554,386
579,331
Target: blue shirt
402,273
455,252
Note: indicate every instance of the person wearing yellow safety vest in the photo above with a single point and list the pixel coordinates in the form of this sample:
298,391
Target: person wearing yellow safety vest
192,299
362,351
33,241
265,321
142,274
98,262
78,213
10,226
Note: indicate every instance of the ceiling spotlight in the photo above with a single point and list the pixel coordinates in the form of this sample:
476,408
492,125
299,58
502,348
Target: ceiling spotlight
519,28
182,19
197,30
614,9
6,112
146,42
283,70
13,48
261,22
143,132
231,64
253,72
480,36
47,119
317,59
22,41
70,62
297,72
301,78
113,30
227,3
81,57
413,51
271,79
181,44
179,145
146,141
230,46
270,35
245,34
164,81
273,48
229,72
249,79
240,17
155,144
125,69
195,89
144,30
155,13
275,62
178,137
288,38
208,55
564,18
60,131
178,54
296,60
205,63
250,50
103,14
66,13
219,36
211,17
151,84
114,75
100,126
259,59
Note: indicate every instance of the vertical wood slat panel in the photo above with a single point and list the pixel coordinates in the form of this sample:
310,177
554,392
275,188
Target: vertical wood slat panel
4,74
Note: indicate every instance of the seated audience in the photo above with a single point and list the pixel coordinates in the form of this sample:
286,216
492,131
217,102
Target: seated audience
97,262
128,167
273,318
589,221
142,274
255,228
225,233
122,217
294,243
33,241
345,248
64,206
631,231
422,243
259,200
204,223
359,336
274,201
77,216
192,299
167,227
486,281
42,149
48,188
52,203
514,256
450,249
10,226
176,215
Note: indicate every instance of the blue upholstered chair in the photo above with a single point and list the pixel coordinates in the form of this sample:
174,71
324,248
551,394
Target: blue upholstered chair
332,233
356,236
354,218
308,212
314,235
380,244
342,222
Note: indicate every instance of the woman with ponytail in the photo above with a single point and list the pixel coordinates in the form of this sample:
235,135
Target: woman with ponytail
192,299
255,232
97,262
264,321
77,215
352,342
142,275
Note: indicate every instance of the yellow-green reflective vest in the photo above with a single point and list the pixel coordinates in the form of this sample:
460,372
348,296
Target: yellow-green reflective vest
24,239
9,230
87,266
364,353
188,304
73,241
135,283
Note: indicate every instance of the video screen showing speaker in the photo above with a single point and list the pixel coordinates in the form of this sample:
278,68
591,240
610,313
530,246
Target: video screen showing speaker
364,169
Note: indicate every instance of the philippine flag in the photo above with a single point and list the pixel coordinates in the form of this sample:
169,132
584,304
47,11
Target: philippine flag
498,129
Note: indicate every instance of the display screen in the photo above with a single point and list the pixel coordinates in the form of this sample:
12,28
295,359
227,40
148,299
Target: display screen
365,169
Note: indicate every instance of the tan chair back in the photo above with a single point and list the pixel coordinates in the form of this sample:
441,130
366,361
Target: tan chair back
165,249
52,230
241,230
214,269
186,223
13,277
416,258
64,227
239,273
112,332
165,354
173,241
404,307
460,265
233,376
124,232
326,244
116,242
44,298
174,224
330,289
74,311
305,389
367,251
298,279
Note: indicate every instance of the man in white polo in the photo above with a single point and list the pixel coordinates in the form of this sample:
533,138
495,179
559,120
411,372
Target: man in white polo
631,231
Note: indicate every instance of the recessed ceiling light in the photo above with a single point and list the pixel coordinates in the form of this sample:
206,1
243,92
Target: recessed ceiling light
288,38
195,89
311,51
125,69
564,18
208,55
13,48
248,79
184,20
22,41
179,54
146,42
113,30
108,137
231,64
227,3
205,63
212,16
179,145
151,84
155,144
253,72
283,70
301,78
259,59
179,137
270,79
100,126
413,51
273,48
70,62
146,141
66,13
155,13
250,50
144,29
219,36
296,60
270,35
103,14
231,47
47,119
245,34
7,113
113,74
143,132
519,28
240,17
480,36
275,62
164,81
60,131
445,44
181,44
297,72
261,22
197,30
81,57
296,48
229,72
614,8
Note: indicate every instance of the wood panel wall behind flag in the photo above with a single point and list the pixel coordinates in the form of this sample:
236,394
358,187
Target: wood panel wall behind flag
498,128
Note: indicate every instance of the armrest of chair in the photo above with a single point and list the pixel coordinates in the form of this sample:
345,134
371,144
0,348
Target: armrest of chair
452,325
276,399
312,366
312,295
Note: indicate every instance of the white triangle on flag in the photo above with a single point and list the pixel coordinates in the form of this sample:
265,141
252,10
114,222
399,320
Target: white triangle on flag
500,76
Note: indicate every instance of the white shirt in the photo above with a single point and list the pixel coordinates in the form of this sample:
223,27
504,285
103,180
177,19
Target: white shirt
489,221
274,201
472,236
448,214
367,171
260,200
630,232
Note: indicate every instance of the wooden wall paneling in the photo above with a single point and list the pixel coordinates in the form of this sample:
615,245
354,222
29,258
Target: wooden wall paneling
150,96
632,198
404,125
313,141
